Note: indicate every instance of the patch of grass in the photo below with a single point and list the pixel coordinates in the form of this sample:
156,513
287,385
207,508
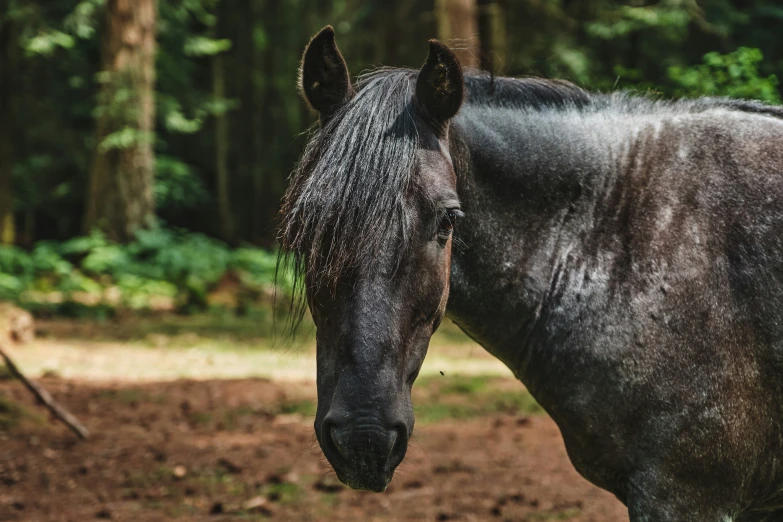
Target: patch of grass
180,510
5,374
330,499
12,414
283,492
461,397
232,417
303,407
259,324
515,402
215,482
71,309
438,411
450,333
456,384
200,418
145,478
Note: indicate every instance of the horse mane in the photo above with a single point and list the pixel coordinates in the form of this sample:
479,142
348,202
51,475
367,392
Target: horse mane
483,89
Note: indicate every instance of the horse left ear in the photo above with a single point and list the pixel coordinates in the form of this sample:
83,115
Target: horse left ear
440,85
323,77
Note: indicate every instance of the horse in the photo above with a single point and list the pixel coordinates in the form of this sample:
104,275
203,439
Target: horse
621,254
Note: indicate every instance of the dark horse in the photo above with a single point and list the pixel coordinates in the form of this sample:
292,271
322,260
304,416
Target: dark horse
622,256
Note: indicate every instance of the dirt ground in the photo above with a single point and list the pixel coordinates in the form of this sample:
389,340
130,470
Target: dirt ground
244,450
203,418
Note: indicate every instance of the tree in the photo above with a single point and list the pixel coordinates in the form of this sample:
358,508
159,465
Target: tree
120,196
7,57
457,26
492,36
227,230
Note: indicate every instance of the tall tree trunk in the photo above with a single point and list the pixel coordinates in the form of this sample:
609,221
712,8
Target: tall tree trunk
7,55
227,230
256,11
457,22
120,199
492,36
272,182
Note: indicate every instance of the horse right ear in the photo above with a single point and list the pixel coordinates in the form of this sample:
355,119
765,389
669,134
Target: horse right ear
323,76
440,85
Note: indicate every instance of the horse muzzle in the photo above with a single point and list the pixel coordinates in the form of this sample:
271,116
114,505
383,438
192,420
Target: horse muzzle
364,452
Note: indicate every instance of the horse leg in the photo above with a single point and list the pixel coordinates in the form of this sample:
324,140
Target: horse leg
662,499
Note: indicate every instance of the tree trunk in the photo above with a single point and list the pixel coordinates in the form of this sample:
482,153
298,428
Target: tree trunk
120,199
492,36
457,23
272,182
7,55
227,230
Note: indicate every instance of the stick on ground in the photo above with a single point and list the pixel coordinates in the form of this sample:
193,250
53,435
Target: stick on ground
45,397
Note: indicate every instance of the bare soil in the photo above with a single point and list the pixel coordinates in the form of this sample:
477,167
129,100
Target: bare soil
244,449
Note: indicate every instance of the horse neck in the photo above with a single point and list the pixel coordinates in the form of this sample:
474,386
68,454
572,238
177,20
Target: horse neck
529,182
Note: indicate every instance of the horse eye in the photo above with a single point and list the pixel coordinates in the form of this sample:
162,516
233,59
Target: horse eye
447,222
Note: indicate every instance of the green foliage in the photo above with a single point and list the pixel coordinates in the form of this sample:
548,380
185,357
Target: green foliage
257,268
83,19
46,43
160,263
125,138
177,184
735,74
671,17
203,46
650,46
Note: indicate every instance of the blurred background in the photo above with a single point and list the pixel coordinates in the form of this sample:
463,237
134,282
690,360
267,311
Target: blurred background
144,149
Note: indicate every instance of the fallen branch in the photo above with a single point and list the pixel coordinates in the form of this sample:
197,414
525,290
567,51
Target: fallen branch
46,398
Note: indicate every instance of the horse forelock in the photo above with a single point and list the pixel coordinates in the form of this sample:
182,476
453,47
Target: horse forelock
347,197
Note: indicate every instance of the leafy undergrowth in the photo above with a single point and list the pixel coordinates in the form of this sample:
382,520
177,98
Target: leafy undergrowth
161,269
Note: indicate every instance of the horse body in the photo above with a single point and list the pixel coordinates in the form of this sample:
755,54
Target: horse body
622,256
626,262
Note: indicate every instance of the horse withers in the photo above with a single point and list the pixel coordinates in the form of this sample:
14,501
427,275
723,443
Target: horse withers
623,256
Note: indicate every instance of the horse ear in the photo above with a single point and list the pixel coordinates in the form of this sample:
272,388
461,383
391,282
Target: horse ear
323,76
440,86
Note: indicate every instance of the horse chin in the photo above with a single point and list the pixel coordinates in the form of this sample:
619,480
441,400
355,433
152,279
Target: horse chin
374,483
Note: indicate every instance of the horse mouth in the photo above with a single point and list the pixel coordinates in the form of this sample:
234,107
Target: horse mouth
363,460
376,483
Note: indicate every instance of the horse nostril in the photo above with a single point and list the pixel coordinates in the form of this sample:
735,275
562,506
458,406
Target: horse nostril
399,439
392,442
336,440
352,442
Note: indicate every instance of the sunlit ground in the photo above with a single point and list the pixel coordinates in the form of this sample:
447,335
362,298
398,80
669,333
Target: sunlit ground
211,346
